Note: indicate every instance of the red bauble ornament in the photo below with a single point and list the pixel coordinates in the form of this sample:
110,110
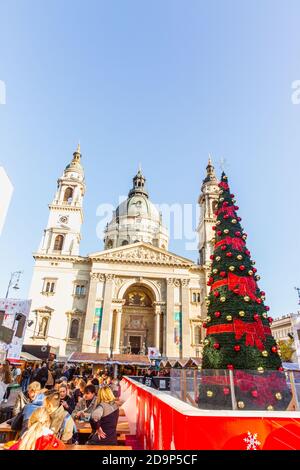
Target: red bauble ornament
222,274
213,227
204,325
224,247
226,216
225,203
216,293
217,314
258,301
256,316
262,292
247,252
242,267
254,270
211,279
230,366
239,219
226,391
217,346
254,393
280,369
232,195
267,308
237,348
212,257
236,208
274,349
229,254
270,319
219,232
237,234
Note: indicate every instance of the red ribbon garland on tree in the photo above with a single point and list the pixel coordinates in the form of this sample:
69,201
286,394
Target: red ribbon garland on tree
227,210
236,243
255,332
241,285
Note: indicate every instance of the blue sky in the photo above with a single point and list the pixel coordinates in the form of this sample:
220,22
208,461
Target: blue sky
163,83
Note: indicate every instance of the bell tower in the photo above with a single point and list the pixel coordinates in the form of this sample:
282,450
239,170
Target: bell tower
62,234
208,201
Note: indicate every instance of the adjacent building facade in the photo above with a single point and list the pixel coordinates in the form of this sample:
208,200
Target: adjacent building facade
134,294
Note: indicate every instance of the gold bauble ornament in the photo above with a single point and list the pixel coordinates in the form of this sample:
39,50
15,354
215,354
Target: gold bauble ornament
250,272
265,353
206,342
234,201
260,370
208,319
244,237
278,396
263,297
221,199
239,257
253,262
226,231
265,315
234,221
242,313
270,408
209,393
228,317
231,268
246,298
207,302
279,353
215,271
218,222
222,299
218,258
241,404
257,278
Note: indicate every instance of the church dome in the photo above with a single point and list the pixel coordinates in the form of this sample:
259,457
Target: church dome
136,219
75,169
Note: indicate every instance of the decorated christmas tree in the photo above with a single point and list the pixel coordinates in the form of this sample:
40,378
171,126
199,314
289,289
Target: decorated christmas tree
238,334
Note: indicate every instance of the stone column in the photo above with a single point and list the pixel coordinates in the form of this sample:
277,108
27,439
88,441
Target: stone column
170,346
185,304
164,352
107,316
157,326
90,314
117,337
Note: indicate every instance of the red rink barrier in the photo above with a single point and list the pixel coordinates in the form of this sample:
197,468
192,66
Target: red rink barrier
166,423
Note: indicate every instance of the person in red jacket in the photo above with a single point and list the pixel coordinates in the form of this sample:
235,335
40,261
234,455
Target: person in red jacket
39,436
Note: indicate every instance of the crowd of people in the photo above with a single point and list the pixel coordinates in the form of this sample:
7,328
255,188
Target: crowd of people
53,401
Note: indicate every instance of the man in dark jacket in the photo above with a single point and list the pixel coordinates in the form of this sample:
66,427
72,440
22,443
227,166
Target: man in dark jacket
42,375
65,400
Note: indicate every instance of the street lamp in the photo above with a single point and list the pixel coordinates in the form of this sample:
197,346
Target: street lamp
14,279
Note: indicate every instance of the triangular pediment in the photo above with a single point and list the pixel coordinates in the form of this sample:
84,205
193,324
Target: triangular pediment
141,253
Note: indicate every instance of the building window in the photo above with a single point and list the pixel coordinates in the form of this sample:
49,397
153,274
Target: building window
196,298
58,244
43,327
68,195
74,329
197,334
49,287
80,290
124,242
109,244
214,206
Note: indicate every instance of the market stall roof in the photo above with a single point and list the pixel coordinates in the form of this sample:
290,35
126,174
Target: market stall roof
130,359
180,363
29,357
90,358
193,362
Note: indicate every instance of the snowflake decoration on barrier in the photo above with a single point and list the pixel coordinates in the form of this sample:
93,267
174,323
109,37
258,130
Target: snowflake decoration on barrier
251,441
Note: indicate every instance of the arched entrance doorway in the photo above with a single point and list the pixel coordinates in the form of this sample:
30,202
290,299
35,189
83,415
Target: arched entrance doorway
138,326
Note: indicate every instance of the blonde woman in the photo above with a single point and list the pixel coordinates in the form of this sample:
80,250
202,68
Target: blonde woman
39,436
104,419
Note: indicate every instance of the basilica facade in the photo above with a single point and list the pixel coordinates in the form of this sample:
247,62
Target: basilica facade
132,295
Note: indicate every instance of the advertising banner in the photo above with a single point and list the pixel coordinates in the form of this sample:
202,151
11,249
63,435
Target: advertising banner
13,321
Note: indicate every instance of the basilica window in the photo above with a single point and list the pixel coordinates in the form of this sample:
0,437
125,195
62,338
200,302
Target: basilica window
43,317
109,244
80,289
197,334
58,243
68,195
74,329
49,286
196,297
124,242
214,206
